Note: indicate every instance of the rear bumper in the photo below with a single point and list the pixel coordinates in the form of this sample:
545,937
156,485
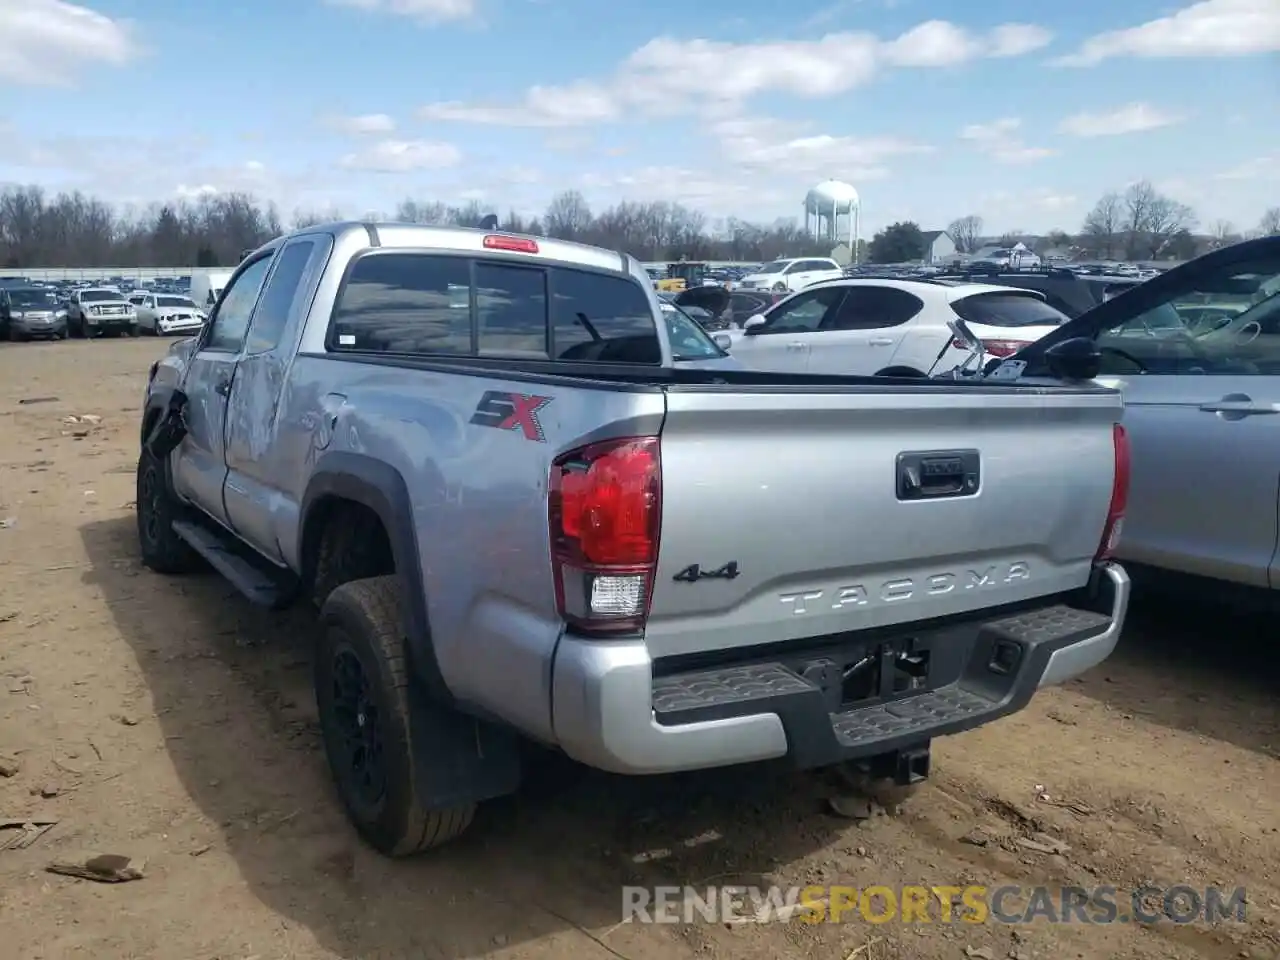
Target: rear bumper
610,712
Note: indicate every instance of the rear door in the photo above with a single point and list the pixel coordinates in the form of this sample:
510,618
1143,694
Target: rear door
199,463
862,337
1203,416
790,331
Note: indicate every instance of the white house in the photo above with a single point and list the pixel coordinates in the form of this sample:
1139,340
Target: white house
938,247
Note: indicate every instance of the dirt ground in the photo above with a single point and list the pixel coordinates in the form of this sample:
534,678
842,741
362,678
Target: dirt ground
168,721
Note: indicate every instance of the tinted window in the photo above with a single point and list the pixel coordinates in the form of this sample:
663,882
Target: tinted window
230,322
602,318
803,313
511,310
873,308
89,296
273,311
1009,310
176,302
405,303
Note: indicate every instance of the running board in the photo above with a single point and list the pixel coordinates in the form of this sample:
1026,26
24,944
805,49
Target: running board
261,586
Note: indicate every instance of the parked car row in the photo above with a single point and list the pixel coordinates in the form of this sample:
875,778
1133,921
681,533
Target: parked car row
39,313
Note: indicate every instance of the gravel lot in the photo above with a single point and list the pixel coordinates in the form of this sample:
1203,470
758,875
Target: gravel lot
168,721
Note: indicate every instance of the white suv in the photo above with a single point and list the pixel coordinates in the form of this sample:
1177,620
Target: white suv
890,327
783,275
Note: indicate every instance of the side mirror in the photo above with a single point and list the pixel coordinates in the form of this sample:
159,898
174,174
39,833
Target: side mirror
723,341
1076,359
753,325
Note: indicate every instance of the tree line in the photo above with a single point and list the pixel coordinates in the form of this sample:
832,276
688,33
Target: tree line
1138,223
38,229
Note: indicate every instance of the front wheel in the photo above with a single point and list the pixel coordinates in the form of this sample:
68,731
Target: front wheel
362,693
162,549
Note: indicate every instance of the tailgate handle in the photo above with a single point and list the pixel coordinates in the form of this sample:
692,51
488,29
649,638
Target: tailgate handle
936,474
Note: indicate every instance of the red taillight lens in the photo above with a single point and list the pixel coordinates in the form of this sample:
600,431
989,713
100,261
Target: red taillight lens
604,509
994,348
511,244
1119,496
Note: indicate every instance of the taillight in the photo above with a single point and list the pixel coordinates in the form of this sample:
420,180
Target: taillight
512,244
1119,496
995,348
604,508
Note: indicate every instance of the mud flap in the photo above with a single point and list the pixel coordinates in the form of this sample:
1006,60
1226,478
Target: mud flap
458,758
170,427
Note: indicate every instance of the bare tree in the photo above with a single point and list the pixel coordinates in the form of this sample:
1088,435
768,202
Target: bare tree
965,231
1223,234
1102,225
1269,225
568,216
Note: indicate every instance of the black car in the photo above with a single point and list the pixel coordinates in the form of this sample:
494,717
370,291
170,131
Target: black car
726,308
1067,291
28,313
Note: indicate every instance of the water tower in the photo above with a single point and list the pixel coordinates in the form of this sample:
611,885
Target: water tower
831,211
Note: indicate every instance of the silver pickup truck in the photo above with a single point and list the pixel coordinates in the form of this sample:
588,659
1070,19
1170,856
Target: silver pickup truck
531,510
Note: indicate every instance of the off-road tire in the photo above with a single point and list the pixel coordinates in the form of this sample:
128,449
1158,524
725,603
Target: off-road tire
364,618
162,549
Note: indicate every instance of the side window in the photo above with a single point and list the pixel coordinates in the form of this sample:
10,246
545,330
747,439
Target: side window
803,313
230,322
745,305
277,298
874,308
405,303
1205,326
511,310
793,267
603,319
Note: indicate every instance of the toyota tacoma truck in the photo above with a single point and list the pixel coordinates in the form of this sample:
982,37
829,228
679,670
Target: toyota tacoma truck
529,510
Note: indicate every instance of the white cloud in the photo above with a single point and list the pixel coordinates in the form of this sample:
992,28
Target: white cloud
1130,118
424,11
363,125
1018,39
772,146
999,140
1259,168
47,42
669,76
569,106
403,156
1210,28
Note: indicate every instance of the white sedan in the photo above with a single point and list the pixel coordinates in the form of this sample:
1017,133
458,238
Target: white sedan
162,314
890,327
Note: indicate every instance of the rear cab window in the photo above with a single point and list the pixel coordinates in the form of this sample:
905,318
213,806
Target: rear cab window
1009,308
432,304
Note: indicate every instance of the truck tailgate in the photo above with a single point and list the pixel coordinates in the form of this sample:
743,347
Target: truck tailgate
790,506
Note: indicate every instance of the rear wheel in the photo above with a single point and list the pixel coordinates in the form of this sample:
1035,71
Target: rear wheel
362,693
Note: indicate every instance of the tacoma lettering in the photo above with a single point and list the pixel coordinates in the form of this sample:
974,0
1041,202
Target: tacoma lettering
905,588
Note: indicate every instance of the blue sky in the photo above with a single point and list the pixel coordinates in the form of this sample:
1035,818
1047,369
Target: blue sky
1022,113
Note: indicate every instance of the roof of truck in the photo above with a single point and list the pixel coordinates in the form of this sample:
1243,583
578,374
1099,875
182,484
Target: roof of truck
408,236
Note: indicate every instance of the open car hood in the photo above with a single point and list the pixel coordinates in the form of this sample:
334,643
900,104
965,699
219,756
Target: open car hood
1150,294
715,300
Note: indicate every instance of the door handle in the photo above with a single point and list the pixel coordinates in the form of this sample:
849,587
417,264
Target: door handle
223,387
795,345
1239,408
881,342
